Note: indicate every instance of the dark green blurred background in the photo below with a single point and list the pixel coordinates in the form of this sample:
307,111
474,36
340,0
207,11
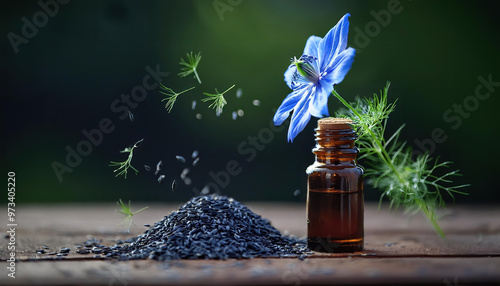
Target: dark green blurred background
65,78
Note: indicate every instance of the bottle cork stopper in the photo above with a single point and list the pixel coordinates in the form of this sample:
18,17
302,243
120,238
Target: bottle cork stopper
334,123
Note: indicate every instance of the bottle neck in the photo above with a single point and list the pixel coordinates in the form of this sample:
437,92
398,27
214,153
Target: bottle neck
335,144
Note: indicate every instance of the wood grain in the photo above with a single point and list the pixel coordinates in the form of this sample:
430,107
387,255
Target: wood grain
399,249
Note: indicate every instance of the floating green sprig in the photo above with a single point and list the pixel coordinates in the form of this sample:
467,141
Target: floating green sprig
125,165
189,67
126,211
218,99
404,179
171,96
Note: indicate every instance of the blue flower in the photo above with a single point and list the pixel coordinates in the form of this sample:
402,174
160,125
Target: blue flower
324,63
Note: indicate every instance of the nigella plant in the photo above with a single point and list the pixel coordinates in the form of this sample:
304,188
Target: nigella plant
391,166
312,77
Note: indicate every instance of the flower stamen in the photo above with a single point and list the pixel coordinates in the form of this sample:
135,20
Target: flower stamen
306,69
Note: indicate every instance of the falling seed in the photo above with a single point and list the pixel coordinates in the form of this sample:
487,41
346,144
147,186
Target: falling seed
241,113
147,168
180,159
198,116
256,102
187,181
195,154
184,173
158,167
173,185
193,105
235,115
297,192
195,162
218,112
205,190
130,116
239,93
160,179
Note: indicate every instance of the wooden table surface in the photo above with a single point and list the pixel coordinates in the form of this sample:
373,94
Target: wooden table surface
399,249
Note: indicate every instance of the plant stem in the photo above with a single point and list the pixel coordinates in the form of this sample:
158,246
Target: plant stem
387,159
197,77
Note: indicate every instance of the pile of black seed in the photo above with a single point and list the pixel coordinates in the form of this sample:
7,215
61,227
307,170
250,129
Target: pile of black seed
211,227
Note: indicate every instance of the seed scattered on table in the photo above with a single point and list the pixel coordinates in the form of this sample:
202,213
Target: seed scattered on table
211,227
64,250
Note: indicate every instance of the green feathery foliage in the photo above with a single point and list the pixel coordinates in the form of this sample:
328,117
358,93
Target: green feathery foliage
189,67
171,96
125,165
127,213
218,100
404,178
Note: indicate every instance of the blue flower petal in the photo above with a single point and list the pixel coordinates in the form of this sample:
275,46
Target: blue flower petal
288,104
341,65
333,43
300,116
319,102
312,46
289,75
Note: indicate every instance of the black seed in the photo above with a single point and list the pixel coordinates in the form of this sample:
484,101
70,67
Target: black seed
173,186
160,179
195,154
158,167
147,168
180,159
40,251
64,250
195,162
184,173
208,227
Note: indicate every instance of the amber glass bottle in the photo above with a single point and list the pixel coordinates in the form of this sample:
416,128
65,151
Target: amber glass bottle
335,190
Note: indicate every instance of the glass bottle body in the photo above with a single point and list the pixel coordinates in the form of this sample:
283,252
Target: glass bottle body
335,204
